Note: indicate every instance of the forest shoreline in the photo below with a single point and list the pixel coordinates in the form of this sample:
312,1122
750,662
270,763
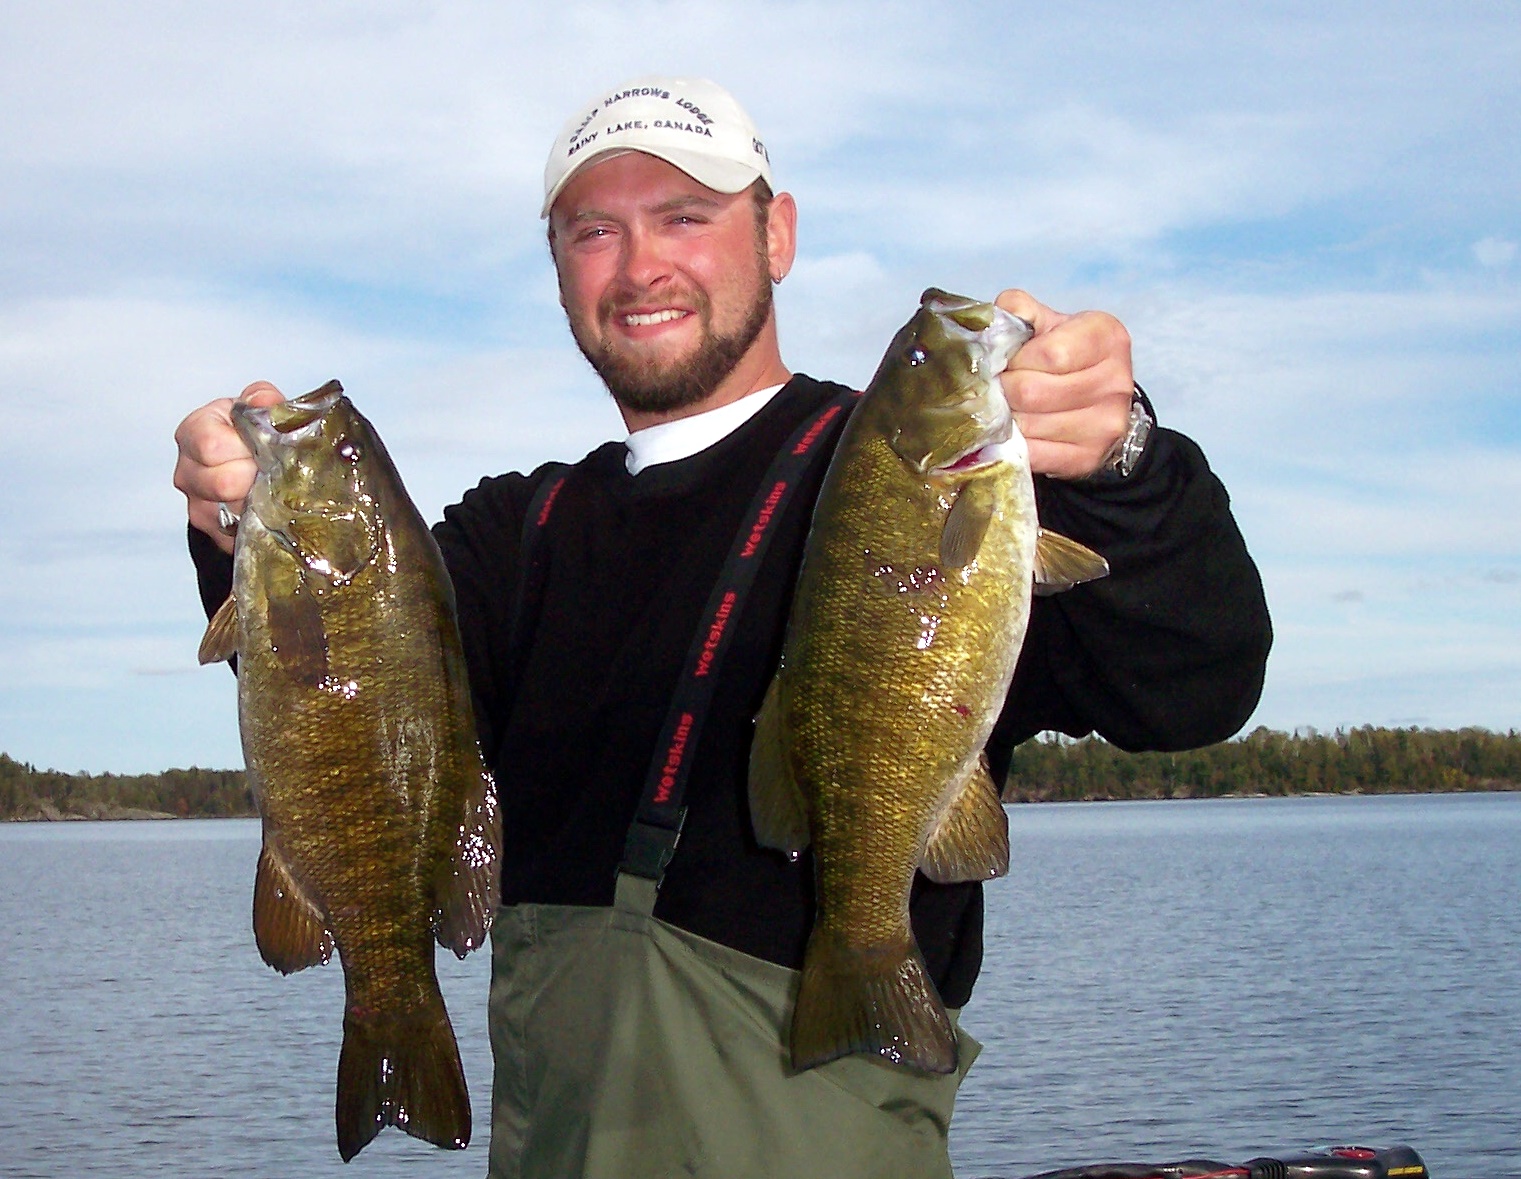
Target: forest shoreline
1047,768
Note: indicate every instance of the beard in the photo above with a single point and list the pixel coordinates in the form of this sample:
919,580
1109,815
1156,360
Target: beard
651,385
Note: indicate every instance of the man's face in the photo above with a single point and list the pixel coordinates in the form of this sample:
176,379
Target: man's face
666,283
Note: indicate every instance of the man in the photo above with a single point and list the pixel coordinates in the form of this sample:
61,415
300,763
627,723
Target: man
641,988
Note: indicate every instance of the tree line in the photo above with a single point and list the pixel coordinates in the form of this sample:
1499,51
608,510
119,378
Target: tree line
1364,760
29,793
1046,769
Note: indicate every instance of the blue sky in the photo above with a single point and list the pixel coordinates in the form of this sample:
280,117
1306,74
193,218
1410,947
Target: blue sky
1308,216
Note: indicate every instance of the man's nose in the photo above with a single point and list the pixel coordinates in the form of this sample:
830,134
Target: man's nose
646,262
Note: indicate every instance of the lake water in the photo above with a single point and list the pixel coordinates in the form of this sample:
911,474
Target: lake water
1163,980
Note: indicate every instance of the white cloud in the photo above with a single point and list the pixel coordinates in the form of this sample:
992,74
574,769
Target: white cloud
1327,373
1494,252
1087,180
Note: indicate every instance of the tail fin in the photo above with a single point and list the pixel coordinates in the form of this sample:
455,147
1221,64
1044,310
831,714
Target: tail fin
401,1071
879,1001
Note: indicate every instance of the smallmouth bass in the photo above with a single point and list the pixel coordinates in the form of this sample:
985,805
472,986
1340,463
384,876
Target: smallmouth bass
380,823
910,610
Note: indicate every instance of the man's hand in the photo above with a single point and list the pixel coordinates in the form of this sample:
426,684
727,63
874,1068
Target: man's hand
1069,387
215,467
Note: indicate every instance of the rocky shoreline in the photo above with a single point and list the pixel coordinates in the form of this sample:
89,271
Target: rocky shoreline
45,812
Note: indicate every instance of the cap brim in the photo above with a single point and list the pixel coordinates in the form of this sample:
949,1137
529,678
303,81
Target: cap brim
725,176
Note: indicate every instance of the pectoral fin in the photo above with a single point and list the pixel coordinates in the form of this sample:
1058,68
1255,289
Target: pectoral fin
967,523
1061,564
290,932
221,638
971,841
777,808
469,885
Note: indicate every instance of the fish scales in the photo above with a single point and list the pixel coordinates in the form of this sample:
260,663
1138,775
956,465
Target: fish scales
910,610
379,818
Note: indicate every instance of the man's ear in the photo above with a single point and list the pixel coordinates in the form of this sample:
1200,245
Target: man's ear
781,235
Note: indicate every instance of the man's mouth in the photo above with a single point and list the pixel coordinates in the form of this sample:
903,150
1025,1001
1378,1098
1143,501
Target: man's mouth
649,319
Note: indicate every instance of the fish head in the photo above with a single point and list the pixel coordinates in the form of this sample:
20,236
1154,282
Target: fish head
314,492
938,384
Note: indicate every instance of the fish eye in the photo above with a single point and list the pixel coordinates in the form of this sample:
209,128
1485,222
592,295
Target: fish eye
348,451
917,355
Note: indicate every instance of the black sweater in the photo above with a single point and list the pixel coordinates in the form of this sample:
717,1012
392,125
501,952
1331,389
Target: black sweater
1167,652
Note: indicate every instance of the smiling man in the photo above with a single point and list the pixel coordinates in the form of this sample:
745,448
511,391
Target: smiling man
645,954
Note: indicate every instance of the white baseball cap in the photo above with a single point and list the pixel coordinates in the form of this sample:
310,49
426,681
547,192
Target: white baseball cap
689,122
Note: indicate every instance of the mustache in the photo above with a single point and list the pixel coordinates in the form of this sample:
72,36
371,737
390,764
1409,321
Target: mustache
628,302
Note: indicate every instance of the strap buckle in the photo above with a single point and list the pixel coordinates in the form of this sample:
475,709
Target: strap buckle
649,847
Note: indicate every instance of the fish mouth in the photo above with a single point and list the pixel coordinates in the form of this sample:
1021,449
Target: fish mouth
1004,445
991,336
992,333
289,416
264,427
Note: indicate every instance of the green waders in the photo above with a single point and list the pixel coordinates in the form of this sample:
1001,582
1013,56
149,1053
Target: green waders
626,1048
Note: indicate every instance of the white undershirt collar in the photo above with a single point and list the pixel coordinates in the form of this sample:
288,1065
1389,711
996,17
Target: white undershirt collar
684,437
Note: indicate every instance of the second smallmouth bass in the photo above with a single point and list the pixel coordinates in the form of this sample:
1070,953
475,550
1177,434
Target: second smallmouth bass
909,614
381,830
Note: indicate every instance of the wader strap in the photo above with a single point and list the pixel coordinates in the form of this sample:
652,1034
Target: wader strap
656,828
635,894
